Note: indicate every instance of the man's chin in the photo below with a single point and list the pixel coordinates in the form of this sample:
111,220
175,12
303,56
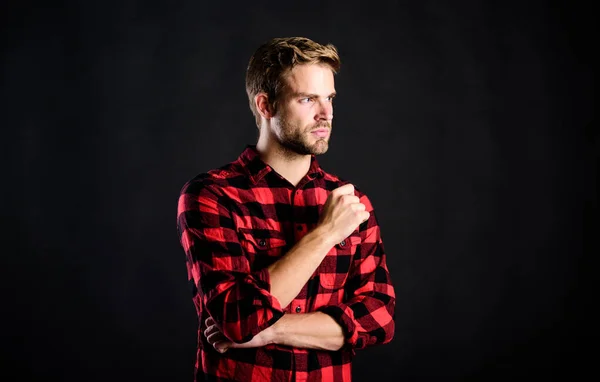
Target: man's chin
304,148
320,147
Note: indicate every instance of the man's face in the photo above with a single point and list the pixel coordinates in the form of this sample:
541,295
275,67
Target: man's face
304,115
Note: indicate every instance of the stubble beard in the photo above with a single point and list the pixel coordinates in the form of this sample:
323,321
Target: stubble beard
297,140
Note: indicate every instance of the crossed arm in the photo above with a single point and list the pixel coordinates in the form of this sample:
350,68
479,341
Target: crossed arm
314,330
245,307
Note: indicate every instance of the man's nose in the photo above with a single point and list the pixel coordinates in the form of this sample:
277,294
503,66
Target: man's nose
325,111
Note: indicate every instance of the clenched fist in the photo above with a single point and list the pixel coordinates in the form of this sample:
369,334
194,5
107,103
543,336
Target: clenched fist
342,213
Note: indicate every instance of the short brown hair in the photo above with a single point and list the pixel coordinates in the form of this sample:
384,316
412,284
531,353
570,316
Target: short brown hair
273,60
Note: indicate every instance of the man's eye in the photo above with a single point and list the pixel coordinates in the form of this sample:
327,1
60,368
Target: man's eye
305,100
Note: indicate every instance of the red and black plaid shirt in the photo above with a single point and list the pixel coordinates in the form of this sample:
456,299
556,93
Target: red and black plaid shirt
233,223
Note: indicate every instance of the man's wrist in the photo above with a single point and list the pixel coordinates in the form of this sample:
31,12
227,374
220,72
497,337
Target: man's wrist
322,235
274,333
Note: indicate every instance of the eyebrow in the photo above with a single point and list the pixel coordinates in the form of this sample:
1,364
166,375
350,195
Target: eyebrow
307,95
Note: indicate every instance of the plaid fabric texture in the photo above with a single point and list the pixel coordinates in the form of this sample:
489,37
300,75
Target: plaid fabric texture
233,222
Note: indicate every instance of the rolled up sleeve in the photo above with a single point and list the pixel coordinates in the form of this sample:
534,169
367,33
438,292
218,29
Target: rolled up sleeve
219,272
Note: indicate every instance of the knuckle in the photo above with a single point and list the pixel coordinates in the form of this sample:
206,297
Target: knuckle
346,188
351,199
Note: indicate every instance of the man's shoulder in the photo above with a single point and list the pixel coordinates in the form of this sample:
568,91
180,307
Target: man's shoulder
215,180
334,181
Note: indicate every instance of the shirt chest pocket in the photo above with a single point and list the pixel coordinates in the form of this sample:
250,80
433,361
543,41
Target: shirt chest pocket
261,249
334,268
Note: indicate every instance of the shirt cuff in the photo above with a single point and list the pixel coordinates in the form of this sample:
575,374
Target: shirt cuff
263,281
344,316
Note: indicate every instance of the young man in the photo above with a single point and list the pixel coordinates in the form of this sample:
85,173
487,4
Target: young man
285,261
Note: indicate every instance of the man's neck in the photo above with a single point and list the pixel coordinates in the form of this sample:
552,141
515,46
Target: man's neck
290,165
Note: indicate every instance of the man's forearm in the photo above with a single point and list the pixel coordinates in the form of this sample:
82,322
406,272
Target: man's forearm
289,274
314,330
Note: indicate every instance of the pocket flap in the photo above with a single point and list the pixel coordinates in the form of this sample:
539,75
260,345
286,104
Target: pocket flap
352,240
263,243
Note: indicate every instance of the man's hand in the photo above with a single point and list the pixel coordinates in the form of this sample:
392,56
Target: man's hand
342,213
222,344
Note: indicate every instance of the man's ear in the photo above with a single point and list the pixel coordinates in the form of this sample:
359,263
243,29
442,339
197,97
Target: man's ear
261,101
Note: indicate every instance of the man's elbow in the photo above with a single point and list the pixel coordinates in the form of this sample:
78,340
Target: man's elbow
389,328
389,331
382,335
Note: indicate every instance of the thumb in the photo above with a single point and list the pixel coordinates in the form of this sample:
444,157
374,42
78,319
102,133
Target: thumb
222,348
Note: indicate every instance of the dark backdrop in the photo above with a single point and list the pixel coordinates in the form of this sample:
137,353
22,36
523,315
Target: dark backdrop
469,124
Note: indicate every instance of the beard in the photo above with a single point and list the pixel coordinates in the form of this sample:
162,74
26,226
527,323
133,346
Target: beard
299,140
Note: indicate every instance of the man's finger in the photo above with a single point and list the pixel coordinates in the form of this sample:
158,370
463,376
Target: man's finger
366,216
346,189
210,330
350,199
222,346
209,321
216,337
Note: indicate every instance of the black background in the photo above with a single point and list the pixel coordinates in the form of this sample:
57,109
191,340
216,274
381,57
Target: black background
469,124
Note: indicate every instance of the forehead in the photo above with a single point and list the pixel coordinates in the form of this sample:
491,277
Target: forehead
310,78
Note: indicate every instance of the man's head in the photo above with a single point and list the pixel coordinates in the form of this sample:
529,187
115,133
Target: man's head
290,88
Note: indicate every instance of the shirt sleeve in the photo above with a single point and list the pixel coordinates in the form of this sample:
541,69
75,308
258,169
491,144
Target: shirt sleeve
367,315
237,299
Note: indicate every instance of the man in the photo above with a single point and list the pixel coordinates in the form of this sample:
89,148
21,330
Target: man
285,261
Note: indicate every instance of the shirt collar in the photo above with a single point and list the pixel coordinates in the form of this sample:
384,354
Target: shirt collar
257,169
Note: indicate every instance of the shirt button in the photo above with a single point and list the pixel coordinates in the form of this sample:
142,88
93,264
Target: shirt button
299,228
298,309
343,243
262,243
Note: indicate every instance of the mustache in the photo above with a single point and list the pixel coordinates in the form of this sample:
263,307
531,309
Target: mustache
321,125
